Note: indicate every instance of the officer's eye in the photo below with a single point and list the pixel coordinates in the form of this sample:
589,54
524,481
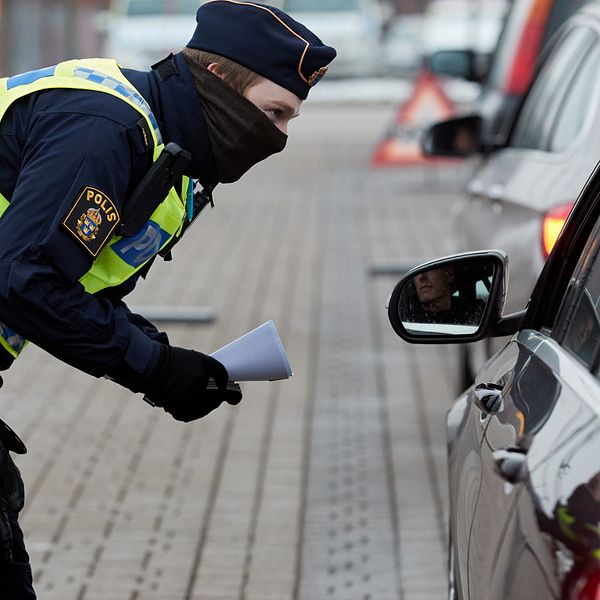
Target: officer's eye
275,113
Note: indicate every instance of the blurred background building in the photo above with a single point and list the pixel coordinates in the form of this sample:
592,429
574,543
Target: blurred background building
42,32
373,37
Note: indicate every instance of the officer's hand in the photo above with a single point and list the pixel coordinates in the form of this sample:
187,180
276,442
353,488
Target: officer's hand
180,384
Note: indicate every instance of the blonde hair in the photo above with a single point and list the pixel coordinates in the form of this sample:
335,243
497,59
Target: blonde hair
240,78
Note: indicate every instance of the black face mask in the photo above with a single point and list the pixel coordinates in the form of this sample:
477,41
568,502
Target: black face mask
241,135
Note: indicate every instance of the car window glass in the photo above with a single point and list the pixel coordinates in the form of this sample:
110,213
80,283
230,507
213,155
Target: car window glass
582,329
577,102
560,11
547,90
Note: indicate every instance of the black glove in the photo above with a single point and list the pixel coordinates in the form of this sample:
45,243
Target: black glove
180,384
12,498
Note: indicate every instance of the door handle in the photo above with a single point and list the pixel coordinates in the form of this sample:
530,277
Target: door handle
475,188
496,192
511,464
488,397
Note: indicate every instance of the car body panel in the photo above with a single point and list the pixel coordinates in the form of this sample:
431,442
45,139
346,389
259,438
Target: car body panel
544,549
551,408
526,557
468,425
464,468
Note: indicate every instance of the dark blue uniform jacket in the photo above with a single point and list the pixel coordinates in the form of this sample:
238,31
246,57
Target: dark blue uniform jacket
52,145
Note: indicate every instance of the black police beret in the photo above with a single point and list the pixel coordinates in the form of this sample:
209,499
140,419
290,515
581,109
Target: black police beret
265,40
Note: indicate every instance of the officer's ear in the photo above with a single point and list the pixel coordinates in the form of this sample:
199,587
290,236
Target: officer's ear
216,69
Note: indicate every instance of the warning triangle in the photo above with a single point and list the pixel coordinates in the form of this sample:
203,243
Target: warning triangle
427,104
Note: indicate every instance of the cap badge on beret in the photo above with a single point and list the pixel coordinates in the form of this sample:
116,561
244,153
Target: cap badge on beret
317,76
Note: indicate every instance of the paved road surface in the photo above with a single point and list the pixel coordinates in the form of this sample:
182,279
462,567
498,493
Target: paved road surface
328,486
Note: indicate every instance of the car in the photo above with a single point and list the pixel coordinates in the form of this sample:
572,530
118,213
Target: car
353,27
523,182
505,70
138,33
463,25
523,441
402,44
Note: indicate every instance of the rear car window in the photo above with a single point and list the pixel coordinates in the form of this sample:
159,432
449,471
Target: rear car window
578,102
547,91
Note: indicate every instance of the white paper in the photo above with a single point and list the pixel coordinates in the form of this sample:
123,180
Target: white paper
258,355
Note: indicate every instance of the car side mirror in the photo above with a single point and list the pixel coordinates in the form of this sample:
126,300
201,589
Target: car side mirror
458,137
462,64
450,300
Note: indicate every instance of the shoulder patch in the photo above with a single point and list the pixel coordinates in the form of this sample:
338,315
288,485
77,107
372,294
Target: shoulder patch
92,219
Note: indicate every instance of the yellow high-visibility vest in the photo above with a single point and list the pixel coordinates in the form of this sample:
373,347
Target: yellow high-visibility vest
122,256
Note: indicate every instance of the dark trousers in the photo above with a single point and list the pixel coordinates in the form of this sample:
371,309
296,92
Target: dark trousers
16,581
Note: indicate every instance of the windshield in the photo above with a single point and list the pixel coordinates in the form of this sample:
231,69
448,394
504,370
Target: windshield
161,7
320,5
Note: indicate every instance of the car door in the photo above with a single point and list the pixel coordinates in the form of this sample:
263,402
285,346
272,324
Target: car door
466,426
535,530
506,424
509,194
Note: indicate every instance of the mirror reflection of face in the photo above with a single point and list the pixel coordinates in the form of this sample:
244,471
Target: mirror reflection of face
434,289
464,141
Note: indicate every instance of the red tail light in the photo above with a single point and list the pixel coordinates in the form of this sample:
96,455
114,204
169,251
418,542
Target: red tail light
590,590
551,227
528,47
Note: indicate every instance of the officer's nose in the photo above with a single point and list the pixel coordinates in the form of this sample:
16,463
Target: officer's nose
282,125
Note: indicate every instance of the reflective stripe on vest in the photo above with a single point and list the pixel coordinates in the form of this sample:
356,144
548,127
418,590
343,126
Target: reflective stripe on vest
122,256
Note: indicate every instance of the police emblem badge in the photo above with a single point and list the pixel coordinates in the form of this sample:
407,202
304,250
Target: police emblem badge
92,219
89,223
317,76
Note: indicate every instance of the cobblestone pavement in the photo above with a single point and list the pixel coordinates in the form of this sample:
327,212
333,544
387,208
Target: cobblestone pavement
330,485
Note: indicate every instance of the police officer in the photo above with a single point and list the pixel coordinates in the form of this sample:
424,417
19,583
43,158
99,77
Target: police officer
98,168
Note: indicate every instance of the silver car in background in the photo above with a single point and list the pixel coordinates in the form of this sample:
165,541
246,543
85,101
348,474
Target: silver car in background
353,27
519,194
126,24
